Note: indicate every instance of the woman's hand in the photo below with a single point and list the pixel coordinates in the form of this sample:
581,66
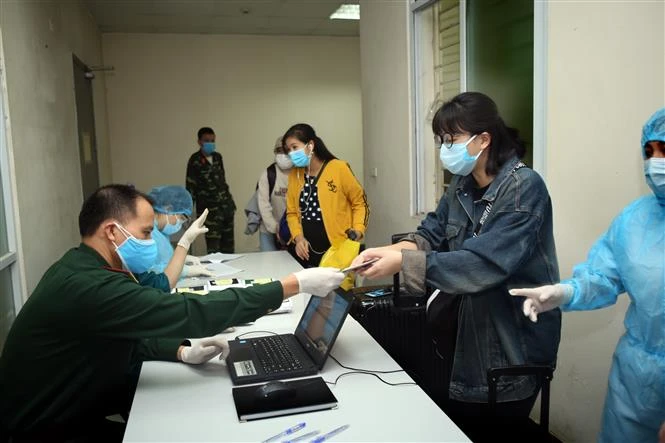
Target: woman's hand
302,247
389,263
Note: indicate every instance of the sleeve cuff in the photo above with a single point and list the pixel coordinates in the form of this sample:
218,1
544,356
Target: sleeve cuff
273,293
414,264
165,349
421,243
571,291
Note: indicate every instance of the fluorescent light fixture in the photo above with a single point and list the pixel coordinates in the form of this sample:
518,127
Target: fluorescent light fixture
346,12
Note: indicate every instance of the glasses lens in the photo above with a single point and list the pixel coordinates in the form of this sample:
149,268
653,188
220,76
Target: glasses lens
447,140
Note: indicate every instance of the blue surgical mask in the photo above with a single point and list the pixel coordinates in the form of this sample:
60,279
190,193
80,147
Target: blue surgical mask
136,255
208,148
457,160
170,229
299,158
654,170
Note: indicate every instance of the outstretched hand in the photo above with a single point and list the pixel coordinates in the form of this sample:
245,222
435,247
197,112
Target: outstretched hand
389,263
197,228
543,298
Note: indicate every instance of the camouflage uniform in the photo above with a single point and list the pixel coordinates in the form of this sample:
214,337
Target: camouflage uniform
207,184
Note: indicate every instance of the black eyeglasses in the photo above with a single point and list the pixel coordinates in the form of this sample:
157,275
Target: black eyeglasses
444,140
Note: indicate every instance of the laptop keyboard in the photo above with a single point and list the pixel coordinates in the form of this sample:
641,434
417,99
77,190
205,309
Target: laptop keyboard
275,355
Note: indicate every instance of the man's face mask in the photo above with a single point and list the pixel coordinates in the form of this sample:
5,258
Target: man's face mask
208,148
136,255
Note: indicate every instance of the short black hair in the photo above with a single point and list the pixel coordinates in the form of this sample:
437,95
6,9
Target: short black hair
203,131
110,201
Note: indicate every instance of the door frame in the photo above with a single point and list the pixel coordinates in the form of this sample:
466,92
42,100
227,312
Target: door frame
79,63
539,78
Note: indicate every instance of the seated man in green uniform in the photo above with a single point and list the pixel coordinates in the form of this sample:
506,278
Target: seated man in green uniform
70,354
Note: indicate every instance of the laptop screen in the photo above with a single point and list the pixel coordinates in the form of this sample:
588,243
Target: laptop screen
321,322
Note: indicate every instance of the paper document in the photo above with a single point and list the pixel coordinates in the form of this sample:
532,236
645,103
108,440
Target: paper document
223,283
221,269
219,257
287,306
196,283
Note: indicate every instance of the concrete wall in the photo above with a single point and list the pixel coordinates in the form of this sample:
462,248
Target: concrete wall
249,89
39,39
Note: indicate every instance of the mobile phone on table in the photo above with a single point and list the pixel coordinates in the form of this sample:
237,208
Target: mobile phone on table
362,265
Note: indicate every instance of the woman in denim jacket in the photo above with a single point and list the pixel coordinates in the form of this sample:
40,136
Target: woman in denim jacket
491,231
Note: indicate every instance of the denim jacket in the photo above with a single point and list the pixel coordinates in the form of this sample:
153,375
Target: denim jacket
514,248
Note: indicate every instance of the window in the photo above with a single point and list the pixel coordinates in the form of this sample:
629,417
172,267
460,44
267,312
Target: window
497,48
437,73
10,290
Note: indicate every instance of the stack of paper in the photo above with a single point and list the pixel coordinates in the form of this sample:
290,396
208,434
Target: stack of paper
221,270
219,257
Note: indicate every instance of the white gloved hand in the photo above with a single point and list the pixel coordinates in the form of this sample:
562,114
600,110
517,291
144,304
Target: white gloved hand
194,231
192,260
196,271
203,349
319,281
542,299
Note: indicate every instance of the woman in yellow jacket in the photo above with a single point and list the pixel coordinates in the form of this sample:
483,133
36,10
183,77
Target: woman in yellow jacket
325,203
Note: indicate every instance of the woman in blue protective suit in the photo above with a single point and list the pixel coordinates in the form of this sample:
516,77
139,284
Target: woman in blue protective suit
629,257
173,206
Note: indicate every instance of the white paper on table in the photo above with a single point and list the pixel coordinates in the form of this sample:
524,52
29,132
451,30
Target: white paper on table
286,306
221,270
193,282
219,257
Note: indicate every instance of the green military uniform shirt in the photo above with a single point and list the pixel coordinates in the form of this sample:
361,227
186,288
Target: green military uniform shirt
86,325
206,182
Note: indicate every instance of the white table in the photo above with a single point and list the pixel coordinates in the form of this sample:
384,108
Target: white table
179,402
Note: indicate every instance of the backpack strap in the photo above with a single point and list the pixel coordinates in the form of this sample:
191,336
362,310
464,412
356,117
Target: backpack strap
272,176
488,208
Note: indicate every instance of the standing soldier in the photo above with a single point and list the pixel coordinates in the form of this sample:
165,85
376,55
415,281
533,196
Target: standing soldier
206,181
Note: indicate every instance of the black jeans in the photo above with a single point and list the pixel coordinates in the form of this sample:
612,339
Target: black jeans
316,235
479,422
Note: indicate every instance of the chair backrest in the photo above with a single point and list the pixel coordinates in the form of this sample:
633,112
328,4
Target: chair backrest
544,375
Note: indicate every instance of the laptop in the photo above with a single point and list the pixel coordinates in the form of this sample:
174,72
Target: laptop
276,357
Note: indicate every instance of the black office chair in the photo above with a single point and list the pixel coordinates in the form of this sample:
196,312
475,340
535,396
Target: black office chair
525,429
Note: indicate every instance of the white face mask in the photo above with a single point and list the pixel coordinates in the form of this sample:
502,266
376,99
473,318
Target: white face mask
283,161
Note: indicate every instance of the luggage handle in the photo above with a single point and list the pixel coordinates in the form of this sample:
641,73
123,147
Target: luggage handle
396,238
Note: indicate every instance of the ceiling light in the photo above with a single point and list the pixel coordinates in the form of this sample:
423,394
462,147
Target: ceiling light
346,12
